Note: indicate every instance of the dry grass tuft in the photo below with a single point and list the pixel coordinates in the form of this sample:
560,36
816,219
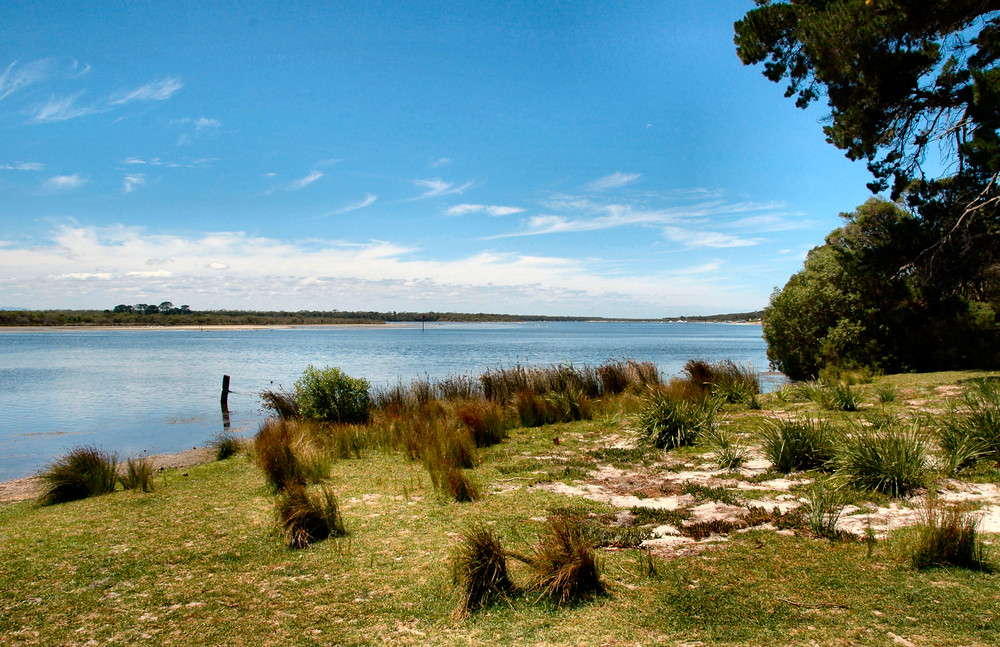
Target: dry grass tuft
479,570
83,472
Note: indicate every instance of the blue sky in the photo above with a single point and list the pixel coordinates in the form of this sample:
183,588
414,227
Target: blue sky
582,158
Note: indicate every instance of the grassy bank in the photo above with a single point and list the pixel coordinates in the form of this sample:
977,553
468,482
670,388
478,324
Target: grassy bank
199,560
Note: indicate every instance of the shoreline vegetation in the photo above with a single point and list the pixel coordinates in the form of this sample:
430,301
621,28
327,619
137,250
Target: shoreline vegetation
543,505
184,317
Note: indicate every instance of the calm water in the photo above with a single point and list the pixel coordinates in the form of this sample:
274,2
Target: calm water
158,390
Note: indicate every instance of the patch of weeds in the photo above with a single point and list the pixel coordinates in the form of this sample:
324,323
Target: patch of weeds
960,445
706,493
485,421
282,403
657,517
138,475
621,457
703,529
892,460
886,393
225,445
727,450
667,422
793,445
843,397
307,517
83,472
759,515
479,570
948,536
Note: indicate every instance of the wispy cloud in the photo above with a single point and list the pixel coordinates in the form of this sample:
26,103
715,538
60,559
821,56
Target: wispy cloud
492,210
153,91
132,181
302,183
60,182
441,161
200,162
368,200
613,181
436,187
61,109
22,166
16,77
694,238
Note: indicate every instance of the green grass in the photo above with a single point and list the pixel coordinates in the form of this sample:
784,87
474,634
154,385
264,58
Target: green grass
201,561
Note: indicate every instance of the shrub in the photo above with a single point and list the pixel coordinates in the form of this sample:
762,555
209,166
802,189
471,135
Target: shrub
843,397
306,517
485,421
960,445
666,422
225,445
948,536
83,472
563,562
727,451
891,460
331,396
886,393
793,445
479,569
138,475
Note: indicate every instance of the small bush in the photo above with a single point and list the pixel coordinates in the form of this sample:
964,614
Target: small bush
563,563
666,422
479,569
485,421
727,450
891,460
793,445
843,397
948,536
305,517
138,475
82,473
331,396
960,445
225,445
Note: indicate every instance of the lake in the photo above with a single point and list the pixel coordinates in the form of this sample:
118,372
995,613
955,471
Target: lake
157,390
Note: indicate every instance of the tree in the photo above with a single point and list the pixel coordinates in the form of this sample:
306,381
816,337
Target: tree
850,306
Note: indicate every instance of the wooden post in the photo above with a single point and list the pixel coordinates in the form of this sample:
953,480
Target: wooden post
225,402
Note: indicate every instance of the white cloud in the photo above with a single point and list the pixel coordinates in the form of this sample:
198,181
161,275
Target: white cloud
613,181
437,187
14,78
368,200
205,122
61,109
441,161
59,182
492,210
302,183
22,166
132,181
707,238
265,273
154,91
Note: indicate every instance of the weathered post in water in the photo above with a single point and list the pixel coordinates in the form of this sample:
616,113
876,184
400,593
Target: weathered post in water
225,402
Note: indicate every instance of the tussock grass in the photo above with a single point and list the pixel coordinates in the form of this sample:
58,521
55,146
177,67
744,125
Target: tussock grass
138,475
225,445
81,473
728,451
564,567
947,535
666,422
725,380
306,517
282,403
793,445
892,460
824,505
486,421
886,393
273,452
479,570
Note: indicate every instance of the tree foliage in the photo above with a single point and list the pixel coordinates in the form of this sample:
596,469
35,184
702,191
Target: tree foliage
851,306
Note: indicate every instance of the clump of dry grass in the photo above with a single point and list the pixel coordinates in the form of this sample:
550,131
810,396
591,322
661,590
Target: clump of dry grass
138,475
83,472
563,563
307,517
479,570
291,452
948,536
226,445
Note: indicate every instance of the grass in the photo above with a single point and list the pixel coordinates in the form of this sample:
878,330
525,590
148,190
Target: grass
563,564
479,570
226,445
667,422
199,561
83,472
306,517
824,505
892,460
947,535
793,445
138,475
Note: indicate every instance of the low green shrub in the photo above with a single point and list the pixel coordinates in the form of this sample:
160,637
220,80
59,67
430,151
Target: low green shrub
892,460
138,475
666,422
81,473
306,517
728,452
332,396
948,536
479,569
793,445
